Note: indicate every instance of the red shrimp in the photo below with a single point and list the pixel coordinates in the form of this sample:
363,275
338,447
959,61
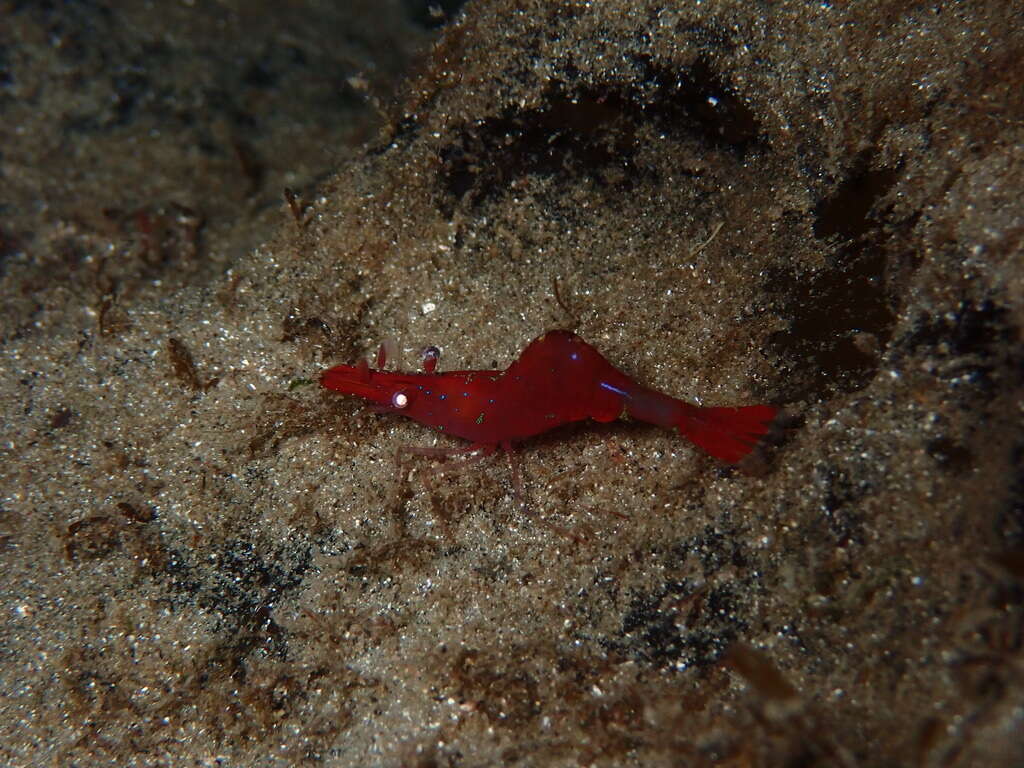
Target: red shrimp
558,379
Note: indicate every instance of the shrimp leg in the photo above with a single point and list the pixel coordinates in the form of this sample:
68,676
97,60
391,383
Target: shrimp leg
405,452
519,492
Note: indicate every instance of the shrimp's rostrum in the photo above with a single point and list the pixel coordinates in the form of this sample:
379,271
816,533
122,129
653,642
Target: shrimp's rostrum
557,379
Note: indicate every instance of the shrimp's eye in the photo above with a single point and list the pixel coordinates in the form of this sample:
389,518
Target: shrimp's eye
430,357
399,400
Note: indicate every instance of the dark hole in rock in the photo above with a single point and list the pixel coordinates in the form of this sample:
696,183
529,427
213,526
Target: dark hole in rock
824,349
828,310
584,131
847,212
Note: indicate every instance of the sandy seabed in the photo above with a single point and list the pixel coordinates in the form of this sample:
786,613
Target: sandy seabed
208,560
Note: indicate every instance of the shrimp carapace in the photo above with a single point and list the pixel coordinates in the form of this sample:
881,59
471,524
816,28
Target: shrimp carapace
557,379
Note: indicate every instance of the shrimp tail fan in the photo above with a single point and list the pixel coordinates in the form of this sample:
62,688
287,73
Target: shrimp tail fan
729,434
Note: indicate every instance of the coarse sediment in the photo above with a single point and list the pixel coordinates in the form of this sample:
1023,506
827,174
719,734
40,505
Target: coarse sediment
206,557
